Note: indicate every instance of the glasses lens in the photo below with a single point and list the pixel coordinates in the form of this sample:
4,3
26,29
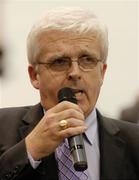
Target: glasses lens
87,63
60,64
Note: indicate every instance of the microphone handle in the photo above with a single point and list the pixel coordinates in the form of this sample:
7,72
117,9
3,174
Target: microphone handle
77,149
76,143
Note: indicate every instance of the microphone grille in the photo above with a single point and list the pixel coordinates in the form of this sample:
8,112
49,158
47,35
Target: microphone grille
66,94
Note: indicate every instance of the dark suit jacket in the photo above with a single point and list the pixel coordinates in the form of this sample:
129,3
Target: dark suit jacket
119,147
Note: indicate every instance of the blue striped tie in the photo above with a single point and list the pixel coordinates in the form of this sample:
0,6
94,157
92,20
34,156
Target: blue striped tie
65,164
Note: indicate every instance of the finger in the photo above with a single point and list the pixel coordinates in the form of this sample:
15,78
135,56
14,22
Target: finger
63,106
66,114
72,131
72,122
69,123
69,113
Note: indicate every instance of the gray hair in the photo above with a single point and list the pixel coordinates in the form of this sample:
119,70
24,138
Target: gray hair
75,19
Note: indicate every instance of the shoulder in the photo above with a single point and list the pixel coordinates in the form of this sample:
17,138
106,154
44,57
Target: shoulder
14,115
116,125
11,117
127,129
13,111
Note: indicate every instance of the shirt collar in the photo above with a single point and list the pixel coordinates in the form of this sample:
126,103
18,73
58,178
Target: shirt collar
91,132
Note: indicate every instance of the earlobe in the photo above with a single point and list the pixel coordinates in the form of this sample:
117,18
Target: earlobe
33,76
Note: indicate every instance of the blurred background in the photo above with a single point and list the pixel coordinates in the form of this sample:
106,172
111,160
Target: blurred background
121,85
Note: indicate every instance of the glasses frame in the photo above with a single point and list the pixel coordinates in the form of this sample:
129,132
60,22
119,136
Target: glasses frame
48,65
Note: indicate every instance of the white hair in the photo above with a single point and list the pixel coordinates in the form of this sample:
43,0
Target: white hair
75,19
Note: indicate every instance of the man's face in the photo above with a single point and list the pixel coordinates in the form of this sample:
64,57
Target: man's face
86,84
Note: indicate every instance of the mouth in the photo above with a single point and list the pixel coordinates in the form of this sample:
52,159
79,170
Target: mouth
78,93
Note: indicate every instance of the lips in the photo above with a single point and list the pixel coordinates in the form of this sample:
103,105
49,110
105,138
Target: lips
78,92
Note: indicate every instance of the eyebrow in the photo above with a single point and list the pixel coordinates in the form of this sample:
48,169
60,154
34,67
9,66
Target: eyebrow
65,55
57,56
88,53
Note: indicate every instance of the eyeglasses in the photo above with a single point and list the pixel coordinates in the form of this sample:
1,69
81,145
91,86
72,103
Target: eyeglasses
85,62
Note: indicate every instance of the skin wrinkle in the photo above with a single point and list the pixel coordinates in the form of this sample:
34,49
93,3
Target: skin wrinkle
43,41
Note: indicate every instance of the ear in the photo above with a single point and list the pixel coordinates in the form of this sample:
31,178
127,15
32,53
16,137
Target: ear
33,74
103,70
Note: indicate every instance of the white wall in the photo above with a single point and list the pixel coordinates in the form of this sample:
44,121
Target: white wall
122,78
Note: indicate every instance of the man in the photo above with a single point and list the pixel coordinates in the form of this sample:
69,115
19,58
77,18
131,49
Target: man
66,48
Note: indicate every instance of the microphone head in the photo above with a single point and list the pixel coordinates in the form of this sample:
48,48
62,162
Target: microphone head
67,94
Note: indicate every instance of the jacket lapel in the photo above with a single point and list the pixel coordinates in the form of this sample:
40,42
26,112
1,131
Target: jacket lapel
30,119
48,166
112,150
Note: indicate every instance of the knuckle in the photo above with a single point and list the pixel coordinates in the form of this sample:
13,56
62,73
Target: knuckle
49,119
71,112
68,133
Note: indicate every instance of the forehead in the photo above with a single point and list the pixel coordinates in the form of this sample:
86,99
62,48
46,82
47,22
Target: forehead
68,42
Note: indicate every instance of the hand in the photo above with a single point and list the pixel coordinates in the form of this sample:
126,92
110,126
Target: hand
47,135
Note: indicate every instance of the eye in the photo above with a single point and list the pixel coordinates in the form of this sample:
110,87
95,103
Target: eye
86,59
59,62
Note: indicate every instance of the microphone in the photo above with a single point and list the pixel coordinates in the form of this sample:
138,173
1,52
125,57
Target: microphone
76,143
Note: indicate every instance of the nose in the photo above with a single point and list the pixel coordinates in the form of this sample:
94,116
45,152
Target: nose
74,71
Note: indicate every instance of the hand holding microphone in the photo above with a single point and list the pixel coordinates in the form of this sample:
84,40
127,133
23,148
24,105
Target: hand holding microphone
76,143
47,134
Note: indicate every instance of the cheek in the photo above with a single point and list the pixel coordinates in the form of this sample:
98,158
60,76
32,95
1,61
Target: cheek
96,80
95,89
100,75
51,84
93,86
